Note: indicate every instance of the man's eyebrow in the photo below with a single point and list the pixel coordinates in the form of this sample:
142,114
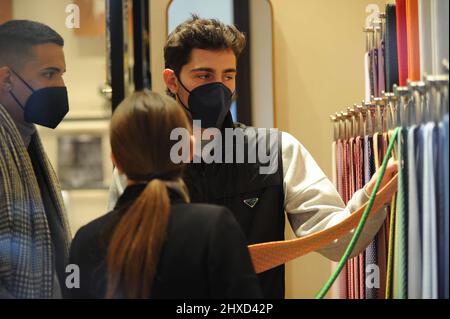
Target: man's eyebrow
55,69
231,70
203,70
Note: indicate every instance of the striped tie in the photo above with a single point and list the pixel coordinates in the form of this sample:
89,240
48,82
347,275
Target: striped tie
400,263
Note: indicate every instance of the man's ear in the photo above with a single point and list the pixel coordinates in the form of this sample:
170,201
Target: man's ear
116,165
192,143
171,80
5,79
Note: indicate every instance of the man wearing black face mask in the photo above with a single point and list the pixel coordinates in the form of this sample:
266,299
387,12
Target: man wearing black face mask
201,58
34,233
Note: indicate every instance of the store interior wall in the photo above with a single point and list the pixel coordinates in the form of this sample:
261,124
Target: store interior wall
318,62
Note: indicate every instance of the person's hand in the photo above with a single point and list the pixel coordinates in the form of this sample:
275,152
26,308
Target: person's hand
391,170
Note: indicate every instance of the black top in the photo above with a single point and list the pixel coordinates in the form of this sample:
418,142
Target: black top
204,256
255,199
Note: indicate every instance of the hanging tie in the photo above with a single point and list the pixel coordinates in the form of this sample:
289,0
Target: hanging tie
269,255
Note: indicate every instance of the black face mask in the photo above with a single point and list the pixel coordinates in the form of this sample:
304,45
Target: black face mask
209,103
46,107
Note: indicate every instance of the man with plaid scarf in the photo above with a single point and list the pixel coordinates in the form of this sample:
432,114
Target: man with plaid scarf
34,234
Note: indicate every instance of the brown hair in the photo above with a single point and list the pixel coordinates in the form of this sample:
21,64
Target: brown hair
197,33
18,37
140,141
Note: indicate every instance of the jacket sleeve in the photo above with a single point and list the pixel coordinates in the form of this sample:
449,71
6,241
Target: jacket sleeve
312,203
4,294
230,269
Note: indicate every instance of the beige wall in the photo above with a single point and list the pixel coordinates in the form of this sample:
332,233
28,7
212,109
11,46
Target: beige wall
262,59
319,48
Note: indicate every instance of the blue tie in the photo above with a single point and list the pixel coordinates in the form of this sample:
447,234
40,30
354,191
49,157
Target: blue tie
429,244
445,278
414,234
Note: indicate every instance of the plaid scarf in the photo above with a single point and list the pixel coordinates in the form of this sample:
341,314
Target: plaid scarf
27,267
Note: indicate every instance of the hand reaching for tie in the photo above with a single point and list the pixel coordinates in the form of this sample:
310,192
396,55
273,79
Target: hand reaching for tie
391,170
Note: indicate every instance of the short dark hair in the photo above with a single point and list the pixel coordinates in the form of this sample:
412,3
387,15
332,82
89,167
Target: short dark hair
197,33
17,37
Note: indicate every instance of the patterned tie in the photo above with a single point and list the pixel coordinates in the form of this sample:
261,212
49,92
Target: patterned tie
381,66
268,255
370,253
384,233
390,262
371,73
381,242
340,180
375,72
400,259
386,224
359,165
340,167
334,172
346,198
354,262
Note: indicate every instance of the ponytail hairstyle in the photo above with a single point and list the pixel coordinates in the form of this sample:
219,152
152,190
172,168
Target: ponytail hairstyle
140,142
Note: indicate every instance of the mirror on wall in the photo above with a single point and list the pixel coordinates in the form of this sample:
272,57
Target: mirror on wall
254,104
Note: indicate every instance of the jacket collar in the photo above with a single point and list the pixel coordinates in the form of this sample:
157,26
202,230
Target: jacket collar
131,193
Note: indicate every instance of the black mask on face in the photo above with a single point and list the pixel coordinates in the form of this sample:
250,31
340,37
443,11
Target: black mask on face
209,103
46,107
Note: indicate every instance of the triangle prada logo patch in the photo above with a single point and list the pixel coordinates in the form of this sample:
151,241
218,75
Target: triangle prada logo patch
251,202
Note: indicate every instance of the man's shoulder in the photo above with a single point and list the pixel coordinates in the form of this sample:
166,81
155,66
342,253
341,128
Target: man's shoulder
286,139
284,135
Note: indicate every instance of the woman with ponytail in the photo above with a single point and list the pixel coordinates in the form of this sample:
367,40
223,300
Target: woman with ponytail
155,244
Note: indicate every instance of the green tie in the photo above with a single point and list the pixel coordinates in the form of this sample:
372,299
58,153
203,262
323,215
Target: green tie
389,274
